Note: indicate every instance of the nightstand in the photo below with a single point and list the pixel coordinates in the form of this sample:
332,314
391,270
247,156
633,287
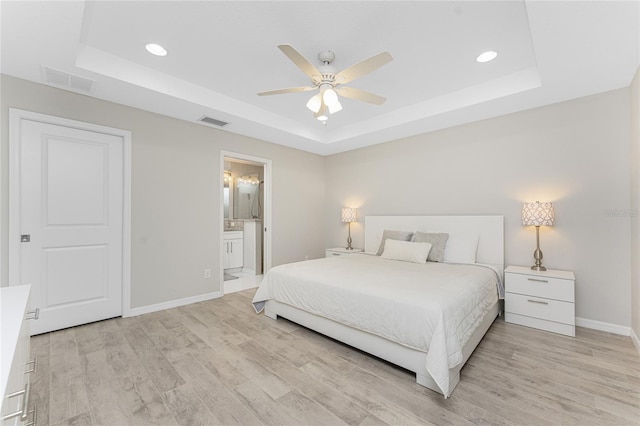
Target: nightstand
540,299
340,251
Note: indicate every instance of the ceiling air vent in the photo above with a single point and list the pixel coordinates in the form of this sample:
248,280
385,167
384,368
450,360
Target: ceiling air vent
213,121
66,80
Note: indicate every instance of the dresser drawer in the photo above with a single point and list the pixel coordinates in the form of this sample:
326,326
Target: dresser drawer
546,287
542,308
14,352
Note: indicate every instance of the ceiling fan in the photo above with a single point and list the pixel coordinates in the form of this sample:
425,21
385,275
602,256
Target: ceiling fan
328,82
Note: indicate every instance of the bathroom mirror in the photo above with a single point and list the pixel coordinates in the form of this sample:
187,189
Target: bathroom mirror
243,190
247,202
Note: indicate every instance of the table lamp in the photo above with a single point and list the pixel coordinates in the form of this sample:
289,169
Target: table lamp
348,216
537,214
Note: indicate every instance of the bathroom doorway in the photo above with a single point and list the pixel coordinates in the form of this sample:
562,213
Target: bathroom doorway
246,220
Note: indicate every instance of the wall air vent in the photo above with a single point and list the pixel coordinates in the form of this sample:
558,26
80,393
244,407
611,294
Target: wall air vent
212,121
67,80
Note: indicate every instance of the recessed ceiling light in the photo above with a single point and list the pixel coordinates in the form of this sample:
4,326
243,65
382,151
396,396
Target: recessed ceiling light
487,56
156,49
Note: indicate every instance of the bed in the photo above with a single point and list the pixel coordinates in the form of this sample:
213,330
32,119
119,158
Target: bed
426,317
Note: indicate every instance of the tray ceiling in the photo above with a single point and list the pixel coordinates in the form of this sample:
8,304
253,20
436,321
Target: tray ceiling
220,54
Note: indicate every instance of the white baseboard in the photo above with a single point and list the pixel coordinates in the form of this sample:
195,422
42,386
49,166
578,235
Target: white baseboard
171,304
635,339
604,326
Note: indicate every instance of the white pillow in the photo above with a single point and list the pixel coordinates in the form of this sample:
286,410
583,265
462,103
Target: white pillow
393,235
461,248
406,251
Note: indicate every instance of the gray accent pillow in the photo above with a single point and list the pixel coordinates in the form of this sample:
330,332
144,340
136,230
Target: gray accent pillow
437,241
393,235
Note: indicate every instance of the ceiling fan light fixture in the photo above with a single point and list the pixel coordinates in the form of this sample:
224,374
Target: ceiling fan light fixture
330,97
334,107
487,56
325,79
322,114
315,102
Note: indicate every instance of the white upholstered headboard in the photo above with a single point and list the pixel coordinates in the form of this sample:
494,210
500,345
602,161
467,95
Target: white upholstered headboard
489,228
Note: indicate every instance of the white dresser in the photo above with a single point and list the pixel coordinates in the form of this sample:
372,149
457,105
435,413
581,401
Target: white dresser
15,363
540,299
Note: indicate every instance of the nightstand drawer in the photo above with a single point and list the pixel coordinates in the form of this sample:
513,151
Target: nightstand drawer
546,287
554,327
538,307
329,253
339,251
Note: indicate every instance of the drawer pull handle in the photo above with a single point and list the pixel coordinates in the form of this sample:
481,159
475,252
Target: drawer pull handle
35,366
34,315
25,402
537,280
336,254
538,301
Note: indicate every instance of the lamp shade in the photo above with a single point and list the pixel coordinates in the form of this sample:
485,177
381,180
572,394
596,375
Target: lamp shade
348,214
537,214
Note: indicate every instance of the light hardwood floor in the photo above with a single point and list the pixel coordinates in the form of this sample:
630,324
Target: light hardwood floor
217,362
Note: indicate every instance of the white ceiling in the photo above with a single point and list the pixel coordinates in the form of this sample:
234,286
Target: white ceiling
222,53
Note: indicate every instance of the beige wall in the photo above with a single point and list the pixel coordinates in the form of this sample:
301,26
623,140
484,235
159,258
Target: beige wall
574,154
176,191
635,204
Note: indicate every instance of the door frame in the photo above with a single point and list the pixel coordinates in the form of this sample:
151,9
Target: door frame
14,252
267,216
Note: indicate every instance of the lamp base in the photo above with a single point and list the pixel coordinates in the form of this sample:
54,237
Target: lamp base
537,254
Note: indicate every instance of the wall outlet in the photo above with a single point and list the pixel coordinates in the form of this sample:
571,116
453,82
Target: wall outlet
207,273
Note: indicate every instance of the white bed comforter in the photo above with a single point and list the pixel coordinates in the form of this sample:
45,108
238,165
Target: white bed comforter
431,307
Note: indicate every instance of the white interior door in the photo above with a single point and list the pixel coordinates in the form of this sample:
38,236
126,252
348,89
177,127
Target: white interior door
71,213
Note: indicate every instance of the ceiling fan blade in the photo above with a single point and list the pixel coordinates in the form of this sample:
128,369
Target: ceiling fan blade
287,90
299,60
360,95
363,68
